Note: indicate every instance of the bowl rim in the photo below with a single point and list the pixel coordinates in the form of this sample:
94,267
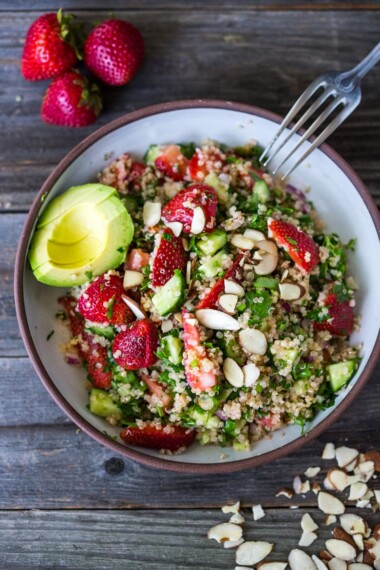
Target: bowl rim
80,421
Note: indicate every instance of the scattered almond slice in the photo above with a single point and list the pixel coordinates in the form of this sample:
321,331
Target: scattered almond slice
166,326
328,485
375,550
299,560
366,470
345,456
252,552
225,532
253,341
353,524
359,566
330,519
132,279
271,565
231,508
340,534
254,235
233,373
285,491
242,568
199,221
189,267
228,303
251,374
151,213
217,320
305,486
297,484
233,543
315,488
338,479
337,564
307,538
357,491
363,504
237,518
135,307
329,451
258,512
242,242
351,466
176,228
329,504
291,291
232,288
319,564
341,549
373,455
312,472
307,523
358,539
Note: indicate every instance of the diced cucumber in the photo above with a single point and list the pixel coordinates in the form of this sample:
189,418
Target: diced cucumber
100,330
266,282
285,357
232,349
340,373
213,242
170,297
173,347
220,188
152,153
241,445
300,387
261,189
213,265
101,404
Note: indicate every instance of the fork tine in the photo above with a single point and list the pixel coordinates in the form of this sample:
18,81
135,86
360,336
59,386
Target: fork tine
311,130
345,112
321,99
294,110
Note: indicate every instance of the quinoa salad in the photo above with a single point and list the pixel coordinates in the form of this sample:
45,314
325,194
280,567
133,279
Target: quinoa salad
231,314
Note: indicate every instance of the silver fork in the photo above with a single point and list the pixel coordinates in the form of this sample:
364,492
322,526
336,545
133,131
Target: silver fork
342,88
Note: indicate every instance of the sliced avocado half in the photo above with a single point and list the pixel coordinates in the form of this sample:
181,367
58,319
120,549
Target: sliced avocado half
86,230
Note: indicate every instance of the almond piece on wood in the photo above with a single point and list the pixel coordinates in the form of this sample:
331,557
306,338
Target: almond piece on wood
307,523
357,491
341,549
299,560
312,472
258,512
341,534
345,455
272,565
338,479
225,531
330,519
337,564
329,504
359,566
373,455
237,518
252,552
353,524
307,538
231,508
328,451
285,491
319,563
233,543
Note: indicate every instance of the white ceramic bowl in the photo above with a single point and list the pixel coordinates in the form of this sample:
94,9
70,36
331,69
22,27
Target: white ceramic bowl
338,194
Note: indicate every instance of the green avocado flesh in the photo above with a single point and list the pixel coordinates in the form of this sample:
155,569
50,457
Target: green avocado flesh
86,230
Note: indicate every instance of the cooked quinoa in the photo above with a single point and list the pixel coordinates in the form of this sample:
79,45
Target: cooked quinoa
292,378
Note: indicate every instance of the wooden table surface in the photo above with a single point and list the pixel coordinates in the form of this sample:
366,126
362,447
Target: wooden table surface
66,501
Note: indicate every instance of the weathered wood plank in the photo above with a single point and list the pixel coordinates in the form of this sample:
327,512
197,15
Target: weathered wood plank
278,56
80,473
141,540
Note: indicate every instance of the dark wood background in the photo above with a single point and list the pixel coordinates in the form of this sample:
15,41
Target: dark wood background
65,501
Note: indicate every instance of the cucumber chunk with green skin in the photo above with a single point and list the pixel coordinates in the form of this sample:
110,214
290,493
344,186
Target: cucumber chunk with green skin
171,295
152,153
107,332
341,373
261,189
101,404
231,349
220,188
213,242
173,347
213,265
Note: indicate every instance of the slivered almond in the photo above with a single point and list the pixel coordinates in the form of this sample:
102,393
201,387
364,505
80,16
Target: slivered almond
166,326
319,564
312,472
338,479
241,242
305,487
230,287
233,373
285,491
271,565
357,491
297,484
337,564
268,246
253,341
345,455
254,235
258,512
291,291
151,213
329,504
217,320
328,451
340,534
315,488
233,543
330,519
324,555
358,539
251,374
252,552
135,307
375,550
373,455
307,538
359,566
307,523
353,524
132,279
231,508
188,271
267,264
199,221
351,466
236,518
225,531
228,303
341,549
328,485
366,469
176,228
299,560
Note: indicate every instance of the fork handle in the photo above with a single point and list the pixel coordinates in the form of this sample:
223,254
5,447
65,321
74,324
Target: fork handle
348,80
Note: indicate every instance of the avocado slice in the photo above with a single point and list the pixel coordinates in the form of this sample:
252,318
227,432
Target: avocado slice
87,229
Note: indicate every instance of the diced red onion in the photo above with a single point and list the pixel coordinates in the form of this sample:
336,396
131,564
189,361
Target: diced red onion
287,308
221,415
72,359
297,193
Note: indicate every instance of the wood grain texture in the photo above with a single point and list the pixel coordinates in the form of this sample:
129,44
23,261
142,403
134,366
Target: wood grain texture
263,58
45,461
140,540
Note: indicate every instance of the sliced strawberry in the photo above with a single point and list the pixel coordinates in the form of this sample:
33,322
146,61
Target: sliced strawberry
299,245
234,273
203,162
137,346
169,256
341,317
101,302
154,438
137,259
156,389
97,366
181,207
200,366
172,162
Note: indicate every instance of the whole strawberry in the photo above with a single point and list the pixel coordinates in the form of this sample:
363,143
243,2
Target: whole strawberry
113,51
50,47
71,101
